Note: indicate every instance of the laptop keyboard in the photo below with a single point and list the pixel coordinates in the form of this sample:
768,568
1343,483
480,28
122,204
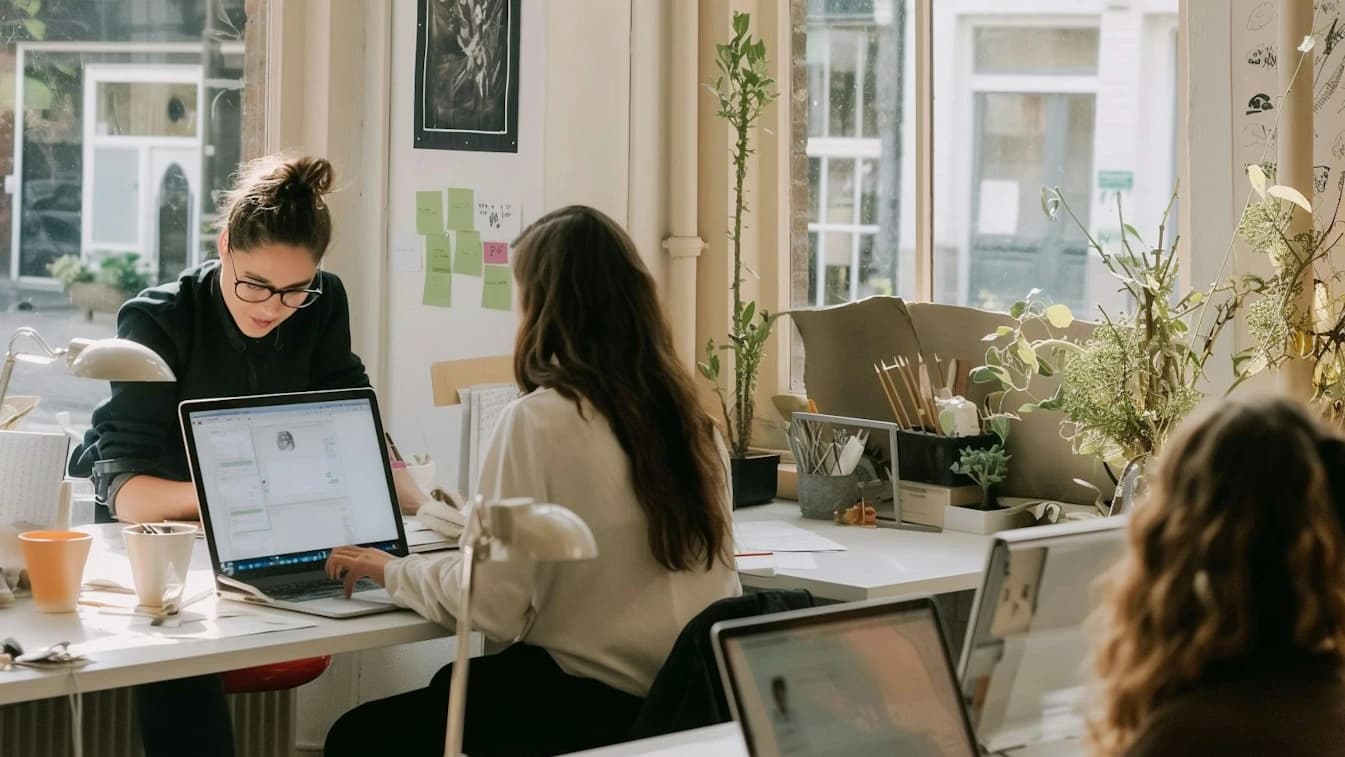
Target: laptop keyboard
305,591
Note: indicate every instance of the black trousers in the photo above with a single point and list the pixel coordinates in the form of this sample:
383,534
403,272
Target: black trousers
186,717
519,702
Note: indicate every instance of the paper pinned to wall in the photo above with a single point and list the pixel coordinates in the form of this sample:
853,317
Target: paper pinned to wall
497,218
438,253
467,259
496,253
406,255
438,289
461,209
997,212
497,288
429,212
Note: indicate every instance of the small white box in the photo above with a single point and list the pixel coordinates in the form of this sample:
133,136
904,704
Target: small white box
924,503
974,521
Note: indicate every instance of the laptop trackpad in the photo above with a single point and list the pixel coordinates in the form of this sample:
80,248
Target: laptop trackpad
360,600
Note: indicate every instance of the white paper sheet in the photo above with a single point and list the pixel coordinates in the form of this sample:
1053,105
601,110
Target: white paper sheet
779,536
768,564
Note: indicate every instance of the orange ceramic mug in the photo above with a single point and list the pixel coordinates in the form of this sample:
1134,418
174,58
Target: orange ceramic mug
55,561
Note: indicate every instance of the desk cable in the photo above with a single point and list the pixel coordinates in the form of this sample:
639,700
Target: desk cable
76,700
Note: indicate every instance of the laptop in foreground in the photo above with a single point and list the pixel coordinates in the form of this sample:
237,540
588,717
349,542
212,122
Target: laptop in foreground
284,479
872,678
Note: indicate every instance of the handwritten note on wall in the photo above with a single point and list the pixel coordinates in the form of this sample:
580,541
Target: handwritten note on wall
465,234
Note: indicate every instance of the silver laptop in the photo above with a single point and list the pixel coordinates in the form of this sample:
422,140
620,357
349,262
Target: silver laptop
1024,662
282,480
872,678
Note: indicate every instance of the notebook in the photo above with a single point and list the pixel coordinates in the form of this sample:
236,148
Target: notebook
32,466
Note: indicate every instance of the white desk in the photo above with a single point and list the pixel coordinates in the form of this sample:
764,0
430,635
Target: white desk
723,740
880,562
142,660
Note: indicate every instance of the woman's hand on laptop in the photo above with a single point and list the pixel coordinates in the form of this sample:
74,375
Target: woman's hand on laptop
350,564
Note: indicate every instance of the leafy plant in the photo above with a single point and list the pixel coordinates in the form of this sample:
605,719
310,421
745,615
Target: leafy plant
1125,387
122,272
986,466
744,88
70,270
1280,330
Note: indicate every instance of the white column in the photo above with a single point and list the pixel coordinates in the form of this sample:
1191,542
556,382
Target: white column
683,243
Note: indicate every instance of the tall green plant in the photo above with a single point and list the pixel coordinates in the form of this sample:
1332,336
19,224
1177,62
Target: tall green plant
744,88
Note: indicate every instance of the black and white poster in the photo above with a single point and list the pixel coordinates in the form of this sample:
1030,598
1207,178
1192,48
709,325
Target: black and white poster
467,75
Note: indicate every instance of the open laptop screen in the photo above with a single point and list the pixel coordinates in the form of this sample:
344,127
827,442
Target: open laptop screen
876,681
284,483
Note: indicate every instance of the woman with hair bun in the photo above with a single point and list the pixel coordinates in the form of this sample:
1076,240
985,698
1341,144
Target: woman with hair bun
262,319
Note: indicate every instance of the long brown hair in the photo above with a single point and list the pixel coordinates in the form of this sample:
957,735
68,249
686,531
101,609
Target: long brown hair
592,329
1237,555
278,199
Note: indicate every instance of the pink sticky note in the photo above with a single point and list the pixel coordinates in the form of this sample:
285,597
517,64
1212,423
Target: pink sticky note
497,253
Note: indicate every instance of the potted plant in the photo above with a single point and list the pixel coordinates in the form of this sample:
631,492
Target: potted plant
744,88
987,467
118,279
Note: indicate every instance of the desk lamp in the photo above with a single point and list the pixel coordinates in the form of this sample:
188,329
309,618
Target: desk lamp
504,531
108,359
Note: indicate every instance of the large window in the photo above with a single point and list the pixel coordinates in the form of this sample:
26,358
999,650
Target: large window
120,123
1077,94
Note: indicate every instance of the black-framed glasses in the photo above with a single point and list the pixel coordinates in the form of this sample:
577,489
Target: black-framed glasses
250,291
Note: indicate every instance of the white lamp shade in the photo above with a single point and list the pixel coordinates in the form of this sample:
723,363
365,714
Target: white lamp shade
117,360
540,532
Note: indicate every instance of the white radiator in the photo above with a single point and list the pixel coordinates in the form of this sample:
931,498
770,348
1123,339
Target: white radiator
264,726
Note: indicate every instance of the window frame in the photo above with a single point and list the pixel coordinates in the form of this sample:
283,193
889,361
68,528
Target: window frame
1052,13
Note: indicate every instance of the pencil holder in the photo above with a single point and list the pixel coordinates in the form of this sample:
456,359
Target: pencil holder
821,496
928,458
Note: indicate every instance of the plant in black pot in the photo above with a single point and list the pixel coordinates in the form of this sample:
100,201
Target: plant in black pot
744,88
986,466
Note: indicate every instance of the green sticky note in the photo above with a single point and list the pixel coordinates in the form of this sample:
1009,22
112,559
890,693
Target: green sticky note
461,210
438,289
468,259
429,212
497,288
438,253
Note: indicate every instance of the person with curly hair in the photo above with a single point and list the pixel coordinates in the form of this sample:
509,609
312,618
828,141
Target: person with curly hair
1225,622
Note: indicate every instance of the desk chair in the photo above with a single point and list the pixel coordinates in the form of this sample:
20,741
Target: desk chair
687,692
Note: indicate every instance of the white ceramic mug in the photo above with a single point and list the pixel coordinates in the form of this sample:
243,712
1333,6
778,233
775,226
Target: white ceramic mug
159,561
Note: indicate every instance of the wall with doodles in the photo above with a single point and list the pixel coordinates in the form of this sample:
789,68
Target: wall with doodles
1255,56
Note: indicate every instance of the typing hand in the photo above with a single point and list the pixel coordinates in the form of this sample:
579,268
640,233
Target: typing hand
350,564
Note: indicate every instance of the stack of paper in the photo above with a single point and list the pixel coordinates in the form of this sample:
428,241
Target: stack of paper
779,536
422,538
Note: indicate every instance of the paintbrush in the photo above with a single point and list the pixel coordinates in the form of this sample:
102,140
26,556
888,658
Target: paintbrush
890,393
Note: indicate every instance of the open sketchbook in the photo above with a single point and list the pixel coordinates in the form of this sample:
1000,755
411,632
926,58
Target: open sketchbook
482,406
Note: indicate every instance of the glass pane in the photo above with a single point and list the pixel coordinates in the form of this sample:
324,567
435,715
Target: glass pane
844,82
116,190
814,189
146,109
841,191
998,140
811,298
860,54
75,191
1036,50
868,192
838,284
